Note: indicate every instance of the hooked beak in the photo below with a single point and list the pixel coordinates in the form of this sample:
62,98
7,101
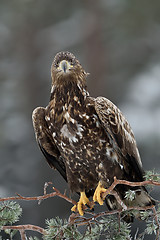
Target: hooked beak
64,66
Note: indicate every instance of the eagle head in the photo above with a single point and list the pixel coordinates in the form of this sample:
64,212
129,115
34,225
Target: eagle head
66,67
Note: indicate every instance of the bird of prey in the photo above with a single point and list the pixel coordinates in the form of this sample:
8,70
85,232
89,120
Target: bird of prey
88,140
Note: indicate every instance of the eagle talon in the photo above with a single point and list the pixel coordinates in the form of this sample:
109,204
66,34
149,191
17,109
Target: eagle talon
79,206
97,194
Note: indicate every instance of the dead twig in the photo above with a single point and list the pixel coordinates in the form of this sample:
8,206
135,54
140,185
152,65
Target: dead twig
39,198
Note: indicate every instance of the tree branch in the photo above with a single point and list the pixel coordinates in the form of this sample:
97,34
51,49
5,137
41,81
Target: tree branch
132,184
75,218
23,234
22,228
39,198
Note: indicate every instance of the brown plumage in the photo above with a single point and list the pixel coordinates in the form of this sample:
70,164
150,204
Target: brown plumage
88,140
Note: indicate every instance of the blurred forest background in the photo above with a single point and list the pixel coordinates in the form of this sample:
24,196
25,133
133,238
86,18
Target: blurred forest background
117,42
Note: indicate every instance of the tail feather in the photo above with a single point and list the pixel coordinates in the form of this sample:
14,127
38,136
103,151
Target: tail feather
142,199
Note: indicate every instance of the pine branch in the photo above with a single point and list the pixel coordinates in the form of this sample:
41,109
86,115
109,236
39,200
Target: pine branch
94,222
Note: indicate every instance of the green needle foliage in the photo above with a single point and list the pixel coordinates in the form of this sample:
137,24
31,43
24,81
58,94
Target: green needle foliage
9,212
60,229
130,195
107,227
152,176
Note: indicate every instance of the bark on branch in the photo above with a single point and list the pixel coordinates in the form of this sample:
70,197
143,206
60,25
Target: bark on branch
75,218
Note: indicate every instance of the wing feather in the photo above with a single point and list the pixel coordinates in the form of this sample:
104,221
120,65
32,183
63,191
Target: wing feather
120,131
46,142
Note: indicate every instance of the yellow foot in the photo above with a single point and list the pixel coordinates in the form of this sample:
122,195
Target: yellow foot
97,194
79,206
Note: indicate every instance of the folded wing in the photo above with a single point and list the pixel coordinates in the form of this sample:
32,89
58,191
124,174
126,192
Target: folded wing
46,142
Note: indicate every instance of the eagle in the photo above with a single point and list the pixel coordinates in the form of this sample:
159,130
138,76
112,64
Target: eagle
88,140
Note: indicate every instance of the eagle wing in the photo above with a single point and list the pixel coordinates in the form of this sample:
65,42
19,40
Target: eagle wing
46,141
121,135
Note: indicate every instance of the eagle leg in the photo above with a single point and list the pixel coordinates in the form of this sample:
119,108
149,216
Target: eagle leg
97,194
82,201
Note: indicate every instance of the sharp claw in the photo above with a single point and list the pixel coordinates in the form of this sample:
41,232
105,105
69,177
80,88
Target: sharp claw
79,206
74,208
97,194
